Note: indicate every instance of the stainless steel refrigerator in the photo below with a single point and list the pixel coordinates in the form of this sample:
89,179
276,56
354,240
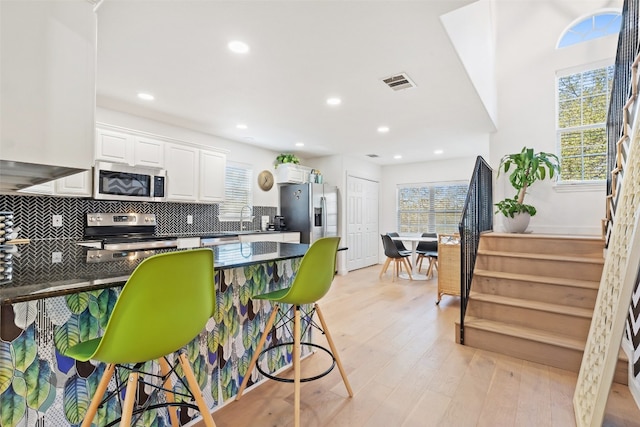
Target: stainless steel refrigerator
311,209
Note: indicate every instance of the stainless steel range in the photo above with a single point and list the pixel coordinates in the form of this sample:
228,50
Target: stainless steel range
123,235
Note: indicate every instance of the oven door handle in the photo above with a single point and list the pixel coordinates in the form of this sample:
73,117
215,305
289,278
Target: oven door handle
158,244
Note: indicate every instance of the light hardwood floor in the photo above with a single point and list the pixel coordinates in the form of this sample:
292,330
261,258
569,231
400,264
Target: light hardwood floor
405,368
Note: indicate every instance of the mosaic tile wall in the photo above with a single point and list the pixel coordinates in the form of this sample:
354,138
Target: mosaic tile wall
33,215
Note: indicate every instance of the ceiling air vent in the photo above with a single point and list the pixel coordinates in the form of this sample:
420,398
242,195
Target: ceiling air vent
373,156
399,81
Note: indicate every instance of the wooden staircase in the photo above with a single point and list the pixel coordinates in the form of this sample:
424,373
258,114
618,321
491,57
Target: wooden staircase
532,297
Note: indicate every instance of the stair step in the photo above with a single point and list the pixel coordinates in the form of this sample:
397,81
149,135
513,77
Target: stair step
545,256
525,333
558,290
532,305
547,265
556,318
558,281
586,246
534,345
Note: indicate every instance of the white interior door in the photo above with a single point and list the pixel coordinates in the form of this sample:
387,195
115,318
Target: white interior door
362,222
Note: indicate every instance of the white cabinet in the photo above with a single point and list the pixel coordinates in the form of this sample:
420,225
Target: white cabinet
194,175
114,146
122,147
289,237
188,242
292,173
148,152
212,173
78,185
182,172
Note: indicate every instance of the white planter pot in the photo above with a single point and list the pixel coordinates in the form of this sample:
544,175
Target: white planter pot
517,224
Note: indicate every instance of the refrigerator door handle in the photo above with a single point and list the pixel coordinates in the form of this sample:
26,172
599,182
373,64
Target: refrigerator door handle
323,206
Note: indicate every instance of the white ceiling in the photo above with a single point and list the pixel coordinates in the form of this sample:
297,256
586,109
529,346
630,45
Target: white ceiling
302,52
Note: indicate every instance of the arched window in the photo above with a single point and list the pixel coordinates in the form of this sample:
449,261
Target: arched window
598,25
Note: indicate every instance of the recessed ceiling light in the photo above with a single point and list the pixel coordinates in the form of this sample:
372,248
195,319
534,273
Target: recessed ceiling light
438,152
383,129
299,144
397,156
334,101
238,46
146,96
241,126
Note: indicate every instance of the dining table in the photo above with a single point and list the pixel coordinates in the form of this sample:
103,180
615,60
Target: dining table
414,240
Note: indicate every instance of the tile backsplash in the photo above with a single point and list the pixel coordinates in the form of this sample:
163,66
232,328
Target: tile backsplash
34,214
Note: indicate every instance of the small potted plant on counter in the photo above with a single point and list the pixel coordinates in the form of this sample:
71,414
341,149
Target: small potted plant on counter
529,168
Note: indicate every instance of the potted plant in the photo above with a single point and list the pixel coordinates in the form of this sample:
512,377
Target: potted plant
286,158
529,167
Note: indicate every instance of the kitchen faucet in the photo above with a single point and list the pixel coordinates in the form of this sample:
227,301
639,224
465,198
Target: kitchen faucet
242,216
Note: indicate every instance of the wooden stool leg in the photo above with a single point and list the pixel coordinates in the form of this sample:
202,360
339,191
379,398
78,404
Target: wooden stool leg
129,399
256,354
296,366
334,350
385,266
97,397
173,411
404,260
195,390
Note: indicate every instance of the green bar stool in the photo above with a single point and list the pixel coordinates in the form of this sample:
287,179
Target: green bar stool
164,305
312,282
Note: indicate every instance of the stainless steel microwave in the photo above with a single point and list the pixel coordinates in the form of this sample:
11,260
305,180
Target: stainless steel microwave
115,181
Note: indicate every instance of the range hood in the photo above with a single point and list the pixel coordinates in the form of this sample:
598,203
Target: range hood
18,175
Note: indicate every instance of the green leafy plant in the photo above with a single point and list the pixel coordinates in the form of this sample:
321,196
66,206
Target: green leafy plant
286,158
529,167
510,207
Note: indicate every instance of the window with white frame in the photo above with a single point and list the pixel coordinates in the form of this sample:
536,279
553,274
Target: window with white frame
583,99
430,207
598,25
238,191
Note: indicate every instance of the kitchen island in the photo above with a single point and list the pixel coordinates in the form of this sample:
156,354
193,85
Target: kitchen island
48,307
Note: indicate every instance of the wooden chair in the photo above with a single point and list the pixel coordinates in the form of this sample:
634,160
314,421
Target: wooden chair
393,254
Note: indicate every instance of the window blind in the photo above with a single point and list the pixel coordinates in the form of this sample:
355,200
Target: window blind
238,190
430,207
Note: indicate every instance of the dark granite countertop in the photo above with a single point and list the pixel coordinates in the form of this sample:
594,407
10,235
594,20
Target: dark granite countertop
35,276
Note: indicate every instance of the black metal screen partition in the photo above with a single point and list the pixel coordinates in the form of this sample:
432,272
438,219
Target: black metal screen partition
477,216
620,91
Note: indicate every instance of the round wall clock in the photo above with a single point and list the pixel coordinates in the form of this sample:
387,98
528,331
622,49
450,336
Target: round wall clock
265,180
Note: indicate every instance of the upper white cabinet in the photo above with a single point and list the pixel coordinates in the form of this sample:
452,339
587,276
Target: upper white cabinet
193,174
292,173
148,152
78,185
47,81
122,147
114,146
182,172
212,173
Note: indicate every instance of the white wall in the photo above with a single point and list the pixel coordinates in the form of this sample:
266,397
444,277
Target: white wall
470,29
527,32
242,153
